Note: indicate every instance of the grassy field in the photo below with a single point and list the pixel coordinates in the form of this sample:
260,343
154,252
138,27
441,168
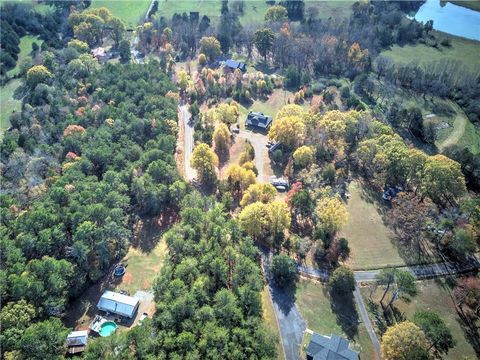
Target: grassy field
25,51
131,12
7,103
368,236
470,4
271,320
314,304
434,296
254,11
462,49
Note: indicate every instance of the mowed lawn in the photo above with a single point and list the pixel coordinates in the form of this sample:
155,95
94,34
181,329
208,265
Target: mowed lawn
313,301
368,236
7,103
463,50
132,12
433,295
25,51
271,321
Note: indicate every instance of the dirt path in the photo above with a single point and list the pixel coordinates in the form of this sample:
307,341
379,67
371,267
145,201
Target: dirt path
259,143
459,126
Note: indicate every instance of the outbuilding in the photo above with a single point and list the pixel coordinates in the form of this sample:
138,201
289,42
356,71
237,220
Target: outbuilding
234,64
77,341
332,347
119,304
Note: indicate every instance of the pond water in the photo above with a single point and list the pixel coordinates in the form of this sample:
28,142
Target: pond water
450,18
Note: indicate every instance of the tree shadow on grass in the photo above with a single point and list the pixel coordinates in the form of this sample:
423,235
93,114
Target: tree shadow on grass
343,306
148,231
283,297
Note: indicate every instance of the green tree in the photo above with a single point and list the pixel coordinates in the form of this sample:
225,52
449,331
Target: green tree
210,47
124,49
38,74
44,340
342,281
436,331
283,270
276,13
15,317
253,220
263,40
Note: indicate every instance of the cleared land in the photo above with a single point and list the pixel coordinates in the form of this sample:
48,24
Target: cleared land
461,49
368,236
131,12
25,51
271,320
434,296
315,306
7,103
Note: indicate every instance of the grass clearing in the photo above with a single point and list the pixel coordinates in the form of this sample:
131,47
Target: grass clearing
462,49
368,236
433,296
271,321
469,4
330,9
7,102
25,51
314,303
132,12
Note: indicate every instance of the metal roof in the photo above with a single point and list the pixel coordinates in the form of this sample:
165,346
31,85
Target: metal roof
117,303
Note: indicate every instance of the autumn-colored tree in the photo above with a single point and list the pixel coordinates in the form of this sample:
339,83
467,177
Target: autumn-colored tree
239,179
443,179
38,74
204,161
263,40
290,110
183,80
404,341
258,192
226,113
210,46
221,139
73,129
278,217
253,219
276,13
202,59
304,156
331,213
288,130
467,295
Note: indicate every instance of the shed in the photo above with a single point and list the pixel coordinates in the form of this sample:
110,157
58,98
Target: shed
332,347
258,120
77,341
119,304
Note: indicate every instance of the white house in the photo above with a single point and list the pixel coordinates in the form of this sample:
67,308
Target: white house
77,341
118,304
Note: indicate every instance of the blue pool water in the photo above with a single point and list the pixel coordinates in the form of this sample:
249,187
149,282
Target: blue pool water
451,19
107,328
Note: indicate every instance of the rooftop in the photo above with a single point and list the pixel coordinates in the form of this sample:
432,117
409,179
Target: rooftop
258,119
330,348
119,298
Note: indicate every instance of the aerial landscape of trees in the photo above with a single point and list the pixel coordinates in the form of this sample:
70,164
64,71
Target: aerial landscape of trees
98,148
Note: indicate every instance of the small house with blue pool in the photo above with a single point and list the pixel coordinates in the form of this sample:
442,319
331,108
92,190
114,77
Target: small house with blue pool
115,303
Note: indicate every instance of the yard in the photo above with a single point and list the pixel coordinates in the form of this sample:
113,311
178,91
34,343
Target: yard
7,103
25,51
314,303
461,49
368,236
433,296
132,12
143,263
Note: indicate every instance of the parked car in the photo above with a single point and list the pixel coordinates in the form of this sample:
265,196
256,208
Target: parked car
235,130
276,146
142,317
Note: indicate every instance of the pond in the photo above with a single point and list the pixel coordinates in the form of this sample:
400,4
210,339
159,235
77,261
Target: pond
450,18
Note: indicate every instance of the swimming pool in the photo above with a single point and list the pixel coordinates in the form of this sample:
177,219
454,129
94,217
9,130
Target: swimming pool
107,328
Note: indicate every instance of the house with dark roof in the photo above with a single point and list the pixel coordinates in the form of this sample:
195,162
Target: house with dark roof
258,121
231,64
332,347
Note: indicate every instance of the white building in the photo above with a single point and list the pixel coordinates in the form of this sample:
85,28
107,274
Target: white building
118,304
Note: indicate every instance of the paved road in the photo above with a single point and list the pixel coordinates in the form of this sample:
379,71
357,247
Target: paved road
290,321
188,140
366,320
